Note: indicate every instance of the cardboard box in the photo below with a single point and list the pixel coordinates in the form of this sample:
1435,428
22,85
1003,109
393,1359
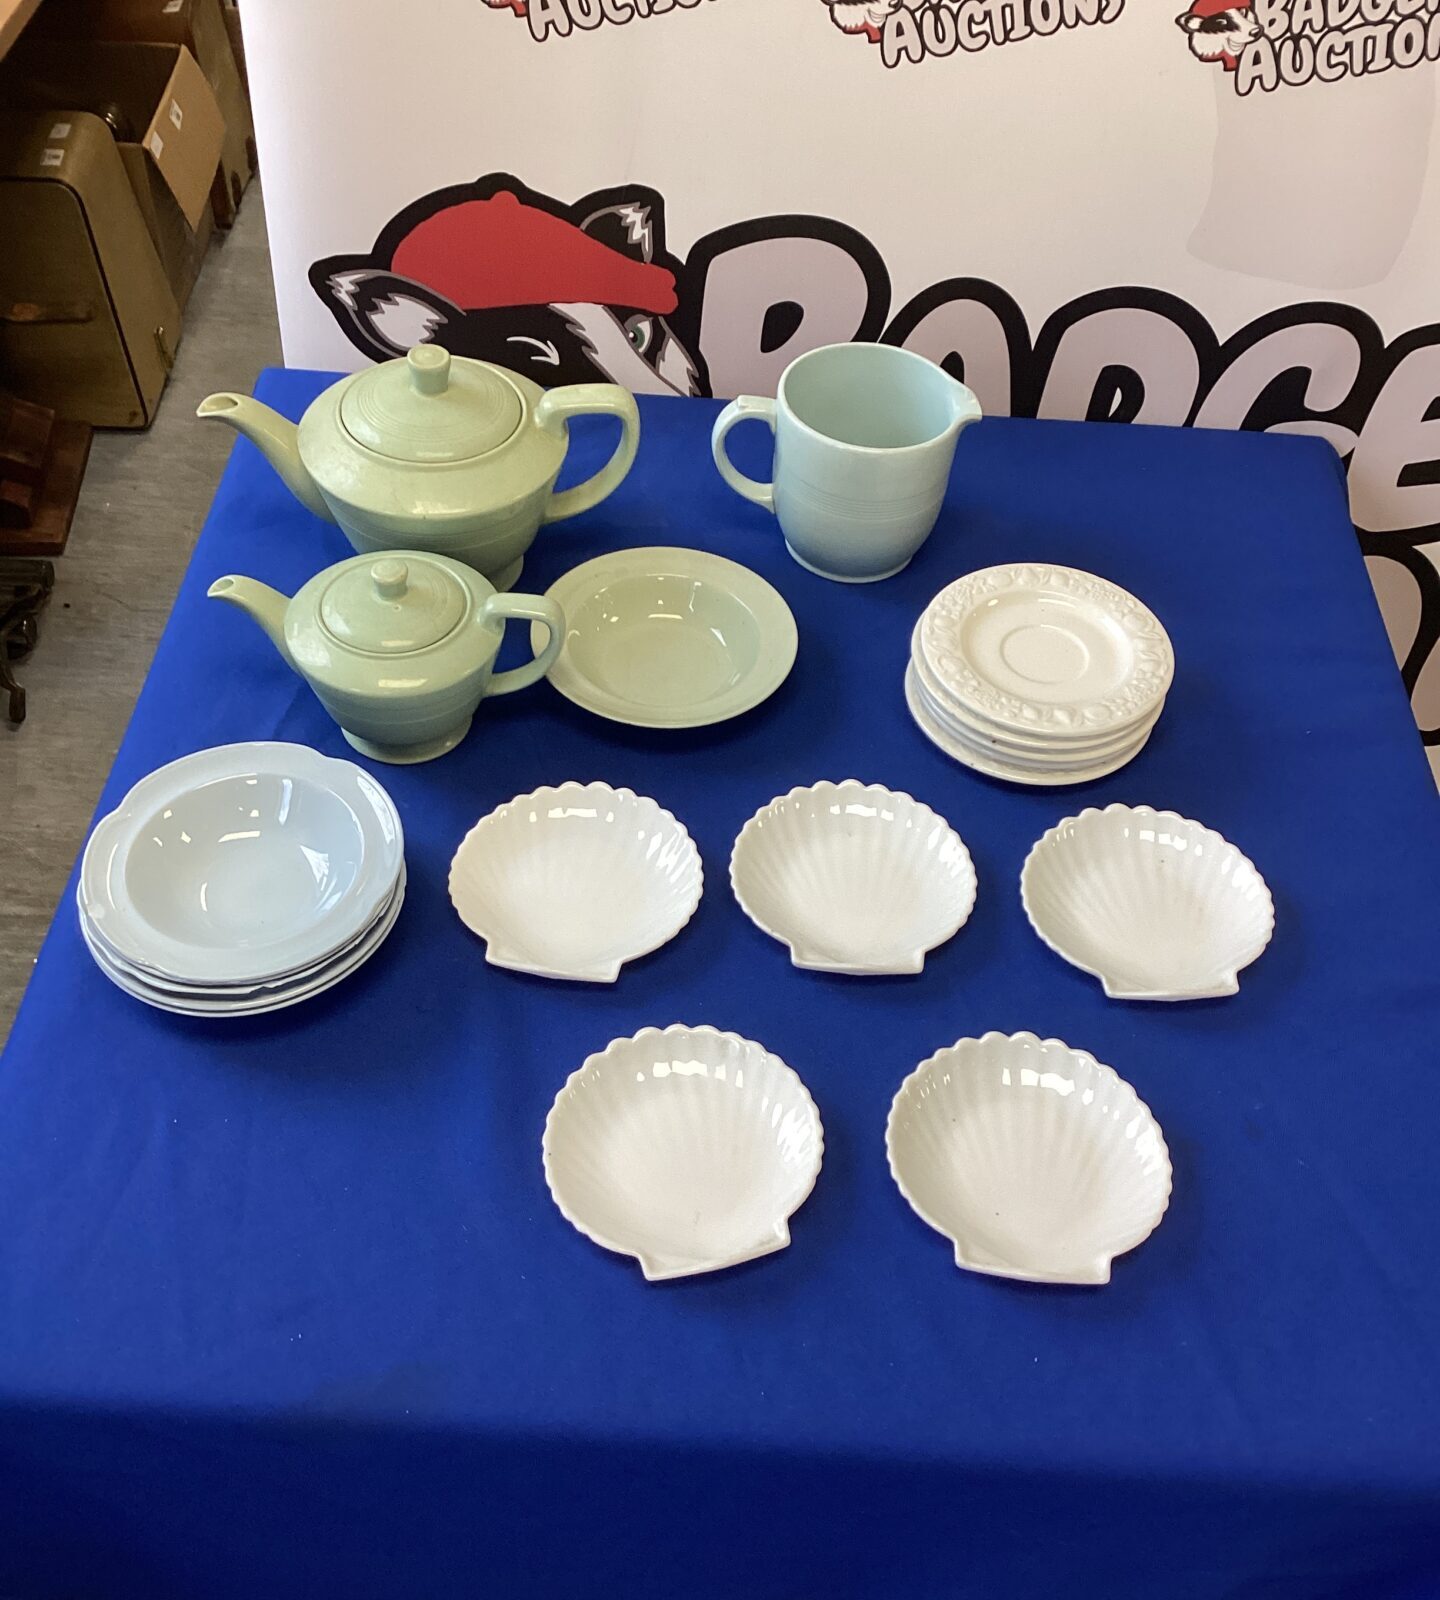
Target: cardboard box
199,25
167,126
14,14
237,39
89,325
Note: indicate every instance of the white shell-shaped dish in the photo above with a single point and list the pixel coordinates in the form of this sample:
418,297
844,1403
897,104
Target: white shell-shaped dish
574,881
854,878
1155,906
686,1148
1036,1161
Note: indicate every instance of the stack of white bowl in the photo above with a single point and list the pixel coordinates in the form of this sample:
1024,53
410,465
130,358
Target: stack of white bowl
1038,674
242,880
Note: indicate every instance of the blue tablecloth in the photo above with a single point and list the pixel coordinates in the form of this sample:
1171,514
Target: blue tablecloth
287,1310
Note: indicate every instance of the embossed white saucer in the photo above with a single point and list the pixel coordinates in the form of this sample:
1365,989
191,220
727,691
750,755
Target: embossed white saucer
1022,748
1043,649
1036,1161
1154,905
961,749
854,878
686,1148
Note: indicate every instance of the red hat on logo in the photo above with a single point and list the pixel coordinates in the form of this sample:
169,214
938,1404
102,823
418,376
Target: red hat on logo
1215,8
482,254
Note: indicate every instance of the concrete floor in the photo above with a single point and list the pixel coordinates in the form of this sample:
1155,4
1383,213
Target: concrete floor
144,499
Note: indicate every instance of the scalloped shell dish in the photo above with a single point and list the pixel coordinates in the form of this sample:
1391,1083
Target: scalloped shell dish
573,881
854,878
1036,1161
1154,905
687,1148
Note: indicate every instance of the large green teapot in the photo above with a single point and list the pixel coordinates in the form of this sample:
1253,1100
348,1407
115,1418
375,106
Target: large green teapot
438,452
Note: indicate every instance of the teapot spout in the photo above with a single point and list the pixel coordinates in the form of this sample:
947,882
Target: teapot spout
277,439
263,605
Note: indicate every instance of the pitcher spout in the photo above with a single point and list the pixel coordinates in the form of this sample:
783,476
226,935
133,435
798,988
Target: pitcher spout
967,408
277,439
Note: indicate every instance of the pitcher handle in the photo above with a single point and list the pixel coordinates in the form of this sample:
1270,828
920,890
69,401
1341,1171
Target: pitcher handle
553,412
748,406
526,608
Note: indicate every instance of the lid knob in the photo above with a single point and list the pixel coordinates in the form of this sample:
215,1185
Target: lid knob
429,368
392,578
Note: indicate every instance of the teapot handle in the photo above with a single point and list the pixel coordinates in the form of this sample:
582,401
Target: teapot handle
526,608
553,411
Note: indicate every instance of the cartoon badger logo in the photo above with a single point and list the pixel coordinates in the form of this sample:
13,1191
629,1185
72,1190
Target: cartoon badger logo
562,294
1219,30
862,16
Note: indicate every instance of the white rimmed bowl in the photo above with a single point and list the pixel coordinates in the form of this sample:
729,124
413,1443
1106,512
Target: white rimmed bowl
667,637
686,1148
1036,1161
854,878
246,1003
241,994
1154,905
573,881
242,863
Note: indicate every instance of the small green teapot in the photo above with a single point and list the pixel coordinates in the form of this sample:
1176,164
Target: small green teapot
400,650
437,452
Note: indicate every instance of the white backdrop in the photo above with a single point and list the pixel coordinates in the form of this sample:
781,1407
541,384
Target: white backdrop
1227,217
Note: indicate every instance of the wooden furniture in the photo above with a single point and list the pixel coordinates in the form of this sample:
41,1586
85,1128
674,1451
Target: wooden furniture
42,461
25,586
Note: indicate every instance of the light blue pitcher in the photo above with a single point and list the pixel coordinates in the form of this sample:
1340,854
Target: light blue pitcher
865,436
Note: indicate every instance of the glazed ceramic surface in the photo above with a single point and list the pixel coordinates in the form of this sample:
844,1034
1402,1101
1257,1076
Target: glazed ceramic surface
971,754
1035,1160
253,1002
686,1148
438,453
865,436
1097,758
241,864
400,651
1155,906
1033,760
252,989
1048,649
1019,748
670,638
574,881
854,878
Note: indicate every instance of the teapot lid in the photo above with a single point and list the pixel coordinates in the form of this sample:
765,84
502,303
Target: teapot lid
392,608
428,408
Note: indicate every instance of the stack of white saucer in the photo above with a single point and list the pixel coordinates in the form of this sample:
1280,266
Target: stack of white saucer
242,880
1038,674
